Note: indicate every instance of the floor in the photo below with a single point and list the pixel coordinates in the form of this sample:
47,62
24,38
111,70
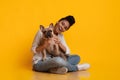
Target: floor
94,73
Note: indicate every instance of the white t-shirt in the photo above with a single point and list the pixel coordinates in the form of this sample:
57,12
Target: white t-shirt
38,56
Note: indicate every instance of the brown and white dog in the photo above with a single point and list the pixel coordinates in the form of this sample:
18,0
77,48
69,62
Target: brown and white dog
53,49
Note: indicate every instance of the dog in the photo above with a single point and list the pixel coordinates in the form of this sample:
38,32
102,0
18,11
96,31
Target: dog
53,49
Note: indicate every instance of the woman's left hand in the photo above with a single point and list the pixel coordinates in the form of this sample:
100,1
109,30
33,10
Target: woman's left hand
57,41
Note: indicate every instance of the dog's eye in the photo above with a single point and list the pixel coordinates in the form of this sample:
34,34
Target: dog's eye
44,32
50,30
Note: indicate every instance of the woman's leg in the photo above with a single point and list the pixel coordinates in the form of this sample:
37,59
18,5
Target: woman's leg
73,59
55,62
49,63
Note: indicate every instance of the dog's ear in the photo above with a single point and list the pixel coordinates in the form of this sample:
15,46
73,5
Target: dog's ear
51,25
41,27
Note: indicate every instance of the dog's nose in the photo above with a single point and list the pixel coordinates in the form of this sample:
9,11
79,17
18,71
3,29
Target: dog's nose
49,34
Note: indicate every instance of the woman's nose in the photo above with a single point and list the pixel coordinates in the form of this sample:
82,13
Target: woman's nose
63,28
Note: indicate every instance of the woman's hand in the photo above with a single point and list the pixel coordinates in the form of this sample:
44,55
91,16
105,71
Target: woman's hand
45,44
67,55
62,47
57,41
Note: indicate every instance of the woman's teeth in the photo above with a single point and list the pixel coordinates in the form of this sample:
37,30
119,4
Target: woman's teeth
60,28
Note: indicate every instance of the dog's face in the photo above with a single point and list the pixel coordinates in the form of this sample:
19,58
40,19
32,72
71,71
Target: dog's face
47,32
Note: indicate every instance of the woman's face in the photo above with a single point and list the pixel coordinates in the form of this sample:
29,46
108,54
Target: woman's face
61,26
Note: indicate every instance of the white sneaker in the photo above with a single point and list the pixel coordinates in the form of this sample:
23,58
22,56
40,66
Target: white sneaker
84,66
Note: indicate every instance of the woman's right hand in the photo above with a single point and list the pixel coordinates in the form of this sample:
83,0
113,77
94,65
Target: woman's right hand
45,44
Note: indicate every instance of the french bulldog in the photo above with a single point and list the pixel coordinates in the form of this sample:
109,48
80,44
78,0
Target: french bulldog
53,49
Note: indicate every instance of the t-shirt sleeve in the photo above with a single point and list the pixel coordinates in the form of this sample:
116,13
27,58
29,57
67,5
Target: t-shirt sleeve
36,41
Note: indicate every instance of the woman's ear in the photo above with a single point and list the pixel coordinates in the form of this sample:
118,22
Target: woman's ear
41,27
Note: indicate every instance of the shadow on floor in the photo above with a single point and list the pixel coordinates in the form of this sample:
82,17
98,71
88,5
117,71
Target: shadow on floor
68,76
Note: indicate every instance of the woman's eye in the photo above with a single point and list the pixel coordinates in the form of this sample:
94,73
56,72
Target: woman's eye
66,28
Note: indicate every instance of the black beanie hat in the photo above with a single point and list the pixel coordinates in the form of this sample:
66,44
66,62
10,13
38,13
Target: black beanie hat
70,19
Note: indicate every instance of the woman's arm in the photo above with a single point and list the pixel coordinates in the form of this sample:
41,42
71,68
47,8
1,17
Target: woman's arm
42,46
62,47
62,44
36,48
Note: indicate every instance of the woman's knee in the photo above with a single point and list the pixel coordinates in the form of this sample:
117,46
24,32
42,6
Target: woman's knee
77,57
74,59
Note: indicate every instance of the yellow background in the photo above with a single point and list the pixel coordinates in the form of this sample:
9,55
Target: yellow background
95,35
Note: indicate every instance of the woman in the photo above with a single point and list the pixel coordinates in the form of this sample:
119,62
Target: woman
56,64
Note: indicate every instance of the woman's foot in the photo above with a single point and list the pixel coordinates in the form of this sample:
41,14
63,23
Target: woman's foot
61,70
84,66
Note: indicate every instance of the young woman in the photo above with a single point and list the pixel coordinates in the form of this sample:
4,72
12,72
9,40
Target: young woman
56,64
